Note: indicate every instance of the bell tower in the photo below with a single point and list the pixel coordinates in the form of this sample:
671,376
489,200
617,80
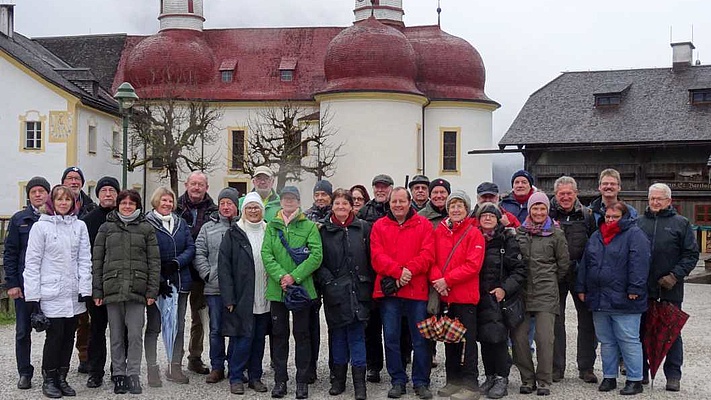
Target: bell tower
389,12
181,14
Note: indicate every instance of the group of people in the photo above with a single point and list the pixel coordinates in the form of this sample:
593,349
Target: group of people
264,267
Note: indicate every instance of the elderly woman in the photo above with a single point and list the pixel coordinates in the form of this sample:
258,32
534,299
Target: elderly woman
612,281
243,286
290,228
126,279
459,253
57,276
346,282
545,249
501,277
177,251
360,197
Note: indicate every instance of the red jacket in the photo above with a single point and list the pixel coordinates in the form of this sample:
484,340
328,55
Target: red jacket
394,246
462,274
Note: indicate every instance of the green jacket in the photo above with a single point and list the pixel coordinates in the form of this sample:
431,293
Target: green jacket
277,262
126,261
271,206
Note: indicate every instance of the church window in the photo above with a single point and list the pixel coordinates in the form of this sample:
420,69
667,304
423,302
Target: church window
33,135
450,150
700,96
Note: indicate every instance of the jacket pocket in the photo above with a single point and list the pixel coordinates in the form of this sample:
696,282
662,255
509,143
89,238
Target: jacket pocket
139,282
365,288
50,288
111,283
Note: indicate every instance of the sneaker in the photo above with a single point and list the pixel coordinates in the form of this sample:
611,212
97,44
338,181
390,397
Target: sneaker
423,392
258,386
673,384
396,391
237,388
120,384
134,384
588,376
500,388
448,390
487,384
279,390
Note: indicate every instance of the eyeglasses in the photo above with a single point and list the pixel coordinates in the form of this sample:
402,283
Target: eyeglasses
252,208
358,199
658,199
612,217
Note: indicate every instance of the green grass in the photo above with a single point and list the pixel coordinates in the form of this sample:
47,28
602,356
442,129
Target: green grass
7,318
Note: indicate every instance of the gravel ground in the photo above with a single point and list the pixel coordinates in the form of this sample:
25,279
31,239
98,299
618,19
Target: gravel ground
694,384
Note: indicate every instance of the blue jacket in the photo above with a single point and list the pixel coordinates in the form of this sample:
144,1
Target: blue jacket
16,245
510,204
608,273
177,245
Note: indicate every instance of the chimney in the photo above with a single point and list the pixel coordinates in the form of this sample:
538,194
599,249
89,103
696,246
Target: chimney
682,55
7,19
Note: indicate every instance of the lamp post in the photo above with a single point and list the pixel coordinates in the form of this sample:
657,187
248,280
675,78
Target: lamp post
126,97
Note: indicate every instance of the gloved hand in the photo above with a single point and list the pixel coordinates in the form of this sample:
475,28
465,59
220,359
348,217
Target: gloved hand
667,281
165,290
169,268
84,299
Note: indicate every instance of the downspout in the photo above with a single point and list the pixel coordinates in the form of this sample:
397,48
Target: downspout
424,148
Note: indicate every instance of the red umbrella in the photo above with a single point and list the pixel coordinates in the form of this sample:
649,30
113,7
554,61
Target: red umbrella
662,327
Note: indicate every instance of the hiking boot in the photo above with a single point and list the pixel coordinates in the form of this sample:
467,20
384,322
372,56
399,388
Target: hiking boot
279,390
154,376
25,382
373,376
338,383
487,384
196,365
466,394
120,385
258,386
448,390
175,374
588,376
673,384
237,388
527,388
302,390
631,388
396,391
62,383
94,381
500,388
216,375
134,384
607,385
359,389
50,387
423,392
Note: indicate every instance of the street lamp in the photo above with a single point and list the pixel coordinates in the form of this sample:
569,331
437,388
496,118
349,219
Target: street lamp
126,97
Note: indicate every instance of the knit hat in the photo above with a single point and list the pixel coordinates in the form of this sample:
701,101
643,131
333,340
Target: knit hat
291,190
382,178
538,198
229,193
418,179
488,208
37,181
107,181
72,169
523,173
252,197
440,182
460,195
324,186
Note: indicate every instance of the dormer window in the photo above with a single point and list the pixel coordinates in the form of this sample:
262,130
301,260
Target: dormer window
607,100
227,69
700,96
287,66
610,94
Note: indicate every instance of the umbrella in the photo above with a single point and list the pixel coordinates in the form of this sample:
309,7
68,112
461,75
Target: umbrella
168,307
662,327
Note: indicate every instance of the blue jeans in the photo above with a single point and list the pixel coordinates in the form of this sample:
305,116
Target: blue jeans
619,334
392,310
247,352
217,341
348,339
23,339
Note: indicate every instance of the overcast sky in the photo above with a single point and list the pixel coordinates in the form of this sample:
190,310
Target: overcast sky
524,43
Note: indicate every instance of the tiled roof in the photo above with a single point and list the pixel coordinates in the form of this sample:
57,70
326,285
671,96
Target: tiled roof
654,108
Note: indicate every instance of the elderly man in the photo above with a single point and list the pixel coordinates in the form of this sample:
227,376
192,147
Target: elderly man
610,185
263,182
323,195
402,252
377,207
488,192
419,189
516,202
578,223
18,232
195,207
674,255
107,189
436,208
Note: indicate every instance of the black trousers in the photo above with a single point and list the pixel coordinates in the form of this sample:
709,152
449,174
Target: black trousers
280,338
315,335
458,372
496,359
59,343
374,339
97,339
586,340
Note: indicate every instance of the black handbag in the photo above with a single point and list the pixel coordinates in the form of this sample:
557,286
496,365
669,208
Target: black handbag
511,308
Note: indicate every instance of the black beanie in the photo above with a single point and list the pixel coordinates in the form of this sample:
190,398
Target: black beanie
72,169
37,181
523,173
488,208
324,186
440,182
107,181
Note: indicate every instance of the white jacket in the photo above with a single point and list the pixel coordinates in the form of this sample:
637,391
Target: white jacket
58,265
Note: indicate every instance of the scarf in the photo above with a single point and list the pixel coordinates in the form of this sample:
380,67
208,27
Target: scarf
609,231
344,224
167,220
288,218
523,199
544,229
129,218
488,234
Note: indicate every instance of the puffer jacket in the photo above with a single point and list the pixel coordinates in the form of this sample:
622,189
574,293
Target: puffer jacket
58,265
608,273
462,272
548,261
18,233
510,204
394,246
511,277
373,211
177,245
278,262
207,251
346,276
432,215
236,282
126,261
674,250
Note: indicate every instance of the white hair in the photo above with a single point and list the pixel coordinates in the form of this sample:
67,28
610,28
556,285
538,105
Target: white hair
565,180
661,187
196,174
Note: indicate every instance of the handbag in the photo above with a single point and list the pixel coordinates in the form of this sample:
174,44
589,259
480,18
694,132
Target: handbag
433,300
298,254
512,308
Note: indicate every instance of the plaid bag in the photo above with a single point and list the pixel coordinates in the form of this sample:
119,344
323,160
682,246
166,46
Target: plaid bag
453,330
431,328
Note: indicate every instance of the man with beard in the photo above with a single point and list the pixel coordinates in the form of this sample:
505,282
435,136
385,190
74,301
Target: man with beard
378,206
323,195
263,182
488,192
419,189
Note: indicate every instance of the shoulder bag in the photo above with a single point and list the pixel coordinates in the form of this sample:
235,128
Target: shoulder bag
433,299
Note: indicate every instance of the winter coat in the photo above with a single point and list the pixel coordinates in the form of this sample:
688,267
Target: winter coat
318,214
598,209
373,211
510,204
278,262
548,261
346,276
432,215
578,225
94,220
462,272
126,261
177,245
18,232
271,206
418,208
207,250
608,273
236,282
511,278
195,215
674,250
394,246
86,205
58,265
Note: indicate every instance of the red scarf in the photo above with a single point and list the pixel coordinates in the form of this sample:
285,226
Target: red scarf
523,199
609,231
348,221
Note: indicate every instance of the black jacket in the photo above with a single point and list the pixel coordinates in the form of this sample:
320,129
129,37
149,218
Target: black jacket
674,250
318,214
490,324
578,225
346,276
195,215
87,205
18,232
598,209
236,278
373,211
93,222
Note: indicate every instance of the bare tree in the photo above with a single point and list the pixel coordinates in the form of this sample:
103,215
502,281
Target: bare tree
291,141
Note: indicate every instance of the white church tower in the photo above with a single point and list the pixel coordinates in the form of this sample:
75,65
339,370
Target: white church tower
181,14
386,11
